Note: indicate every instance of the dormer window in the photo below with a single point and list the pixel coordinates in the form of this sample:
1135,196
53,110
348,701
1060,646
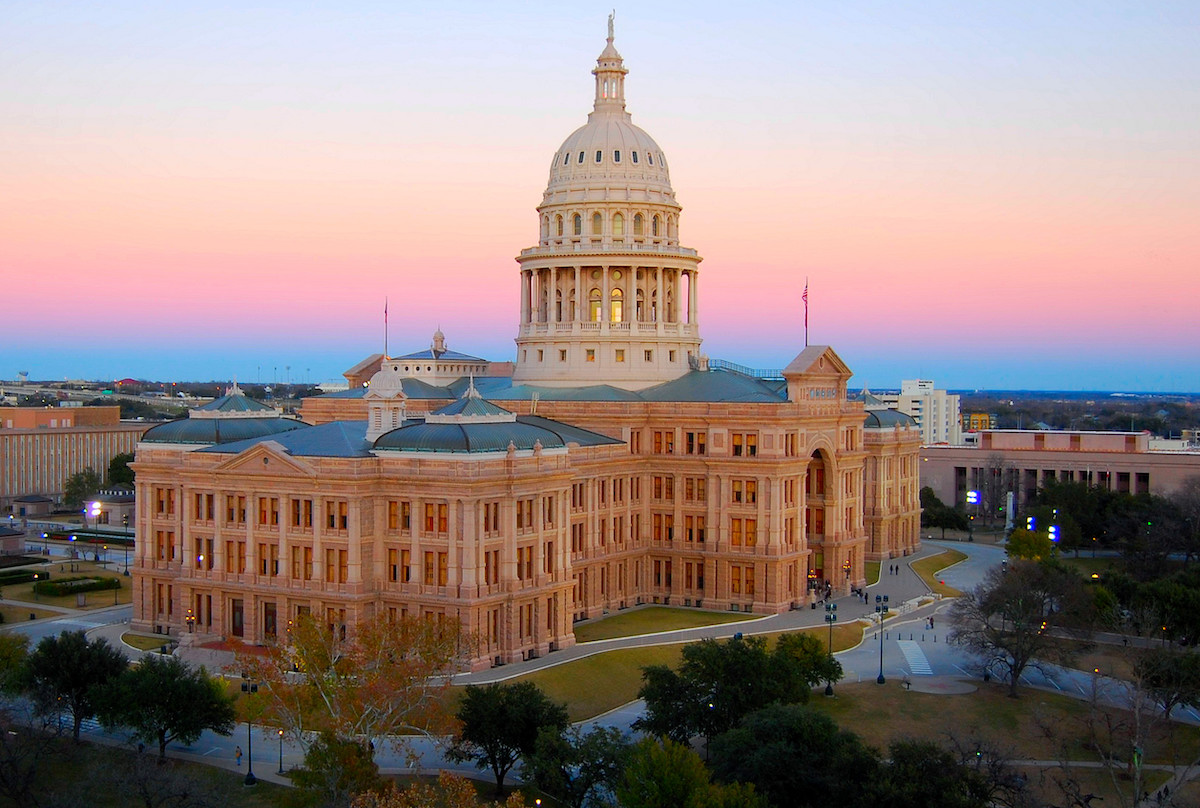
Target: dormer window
581,158
617,156
650,157
599,155
567,158
635,158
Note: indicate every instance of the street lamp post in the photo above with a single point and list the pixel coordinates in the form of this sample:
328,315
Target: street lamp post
881,608
35,592
830,618
249,687
280,751
972,499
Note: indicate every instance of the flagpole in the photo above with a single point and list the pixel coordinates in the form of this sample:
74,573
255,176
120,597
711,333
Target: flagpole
805,298
385,327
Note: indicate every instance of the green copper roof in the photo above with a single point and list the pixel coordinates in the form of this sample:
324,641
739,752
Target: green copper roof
878,419
471,438
234,402
218,430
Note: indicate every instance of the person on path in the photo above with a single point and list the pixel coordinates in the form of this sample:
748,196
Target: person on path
237,755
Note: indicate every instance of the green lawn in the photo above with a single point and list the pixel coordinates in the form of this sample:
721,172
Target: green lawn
873,572
147,642
928,568
19,613
23,593
602,682
651,620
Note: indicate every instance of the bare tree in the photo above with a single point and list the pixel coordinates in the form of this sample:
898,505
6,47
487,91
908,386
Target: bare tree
1010,622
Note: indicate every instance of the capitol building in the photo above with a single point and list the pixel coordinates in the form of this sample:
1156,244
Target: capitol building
611,465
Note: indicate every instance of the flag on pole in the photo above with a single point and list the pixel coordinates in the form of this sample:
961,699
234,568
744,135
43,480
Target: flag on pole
804,297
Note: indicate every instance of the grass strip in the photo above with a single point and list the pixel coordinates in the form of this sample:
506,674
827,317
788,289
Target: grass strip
651,620
928,568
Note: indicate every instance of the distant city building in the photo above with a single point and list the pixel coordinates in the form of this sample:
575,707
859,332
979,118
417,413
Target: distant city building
976,421
612,466
1021,461
40,447
935,411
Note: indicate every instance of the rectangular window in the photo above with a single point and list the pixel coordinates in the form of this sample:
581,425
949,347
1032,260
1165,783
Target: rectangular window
393,565
430,569
620,354
562,355
745,444
590,354
695,443
443,568
649,355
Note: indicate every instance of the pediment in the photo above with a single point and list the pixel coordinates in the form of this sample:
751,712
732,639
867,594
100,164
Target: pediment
267,457
818,360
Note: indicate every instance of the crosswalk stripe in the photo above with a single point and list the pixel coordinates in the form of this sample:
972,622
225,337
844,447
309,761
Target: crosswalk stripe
917,663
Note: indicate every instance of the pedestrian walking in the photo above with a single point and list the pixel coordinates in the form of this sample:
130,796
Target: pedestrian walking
237,755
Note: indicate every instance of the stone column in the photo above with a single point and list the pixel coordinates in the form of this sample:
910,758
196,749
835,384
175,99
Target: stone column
525,277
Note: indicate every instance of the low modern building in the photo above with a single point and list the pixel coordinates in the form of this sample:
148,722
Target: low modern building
46,445
1021,461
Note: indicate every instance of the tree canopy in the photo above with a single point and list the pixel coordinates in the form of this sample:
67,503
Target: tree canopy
79,486
500,725
67,672
119,472
162,699
386,679
718,683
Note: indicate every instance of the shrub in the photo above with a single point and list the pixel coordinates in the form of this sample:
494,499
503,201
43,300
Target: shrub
71,586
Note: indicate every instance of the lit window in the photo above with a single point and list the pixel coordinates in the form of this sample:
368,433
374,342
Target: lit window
591,354
617,156
635,158
620,355
539,356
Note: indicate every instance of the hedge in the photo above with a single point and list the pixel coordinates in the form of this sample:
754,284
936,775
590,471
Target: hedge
21,576
71,586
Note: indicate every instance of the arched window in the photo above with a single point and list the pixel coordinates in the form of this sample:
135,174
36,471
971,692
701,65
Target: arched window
545,226
616,306
597,224
641,306
618,225
654,226
559,224
578,225
637,224
594,305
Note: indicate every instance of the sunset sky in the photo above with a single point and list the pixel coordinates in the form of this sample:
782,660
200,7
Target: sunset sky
991,195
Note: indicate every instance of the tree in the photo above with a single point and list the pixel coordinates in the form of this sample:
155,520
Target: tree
451,791
155,784
387,679
119,472
1009,620
720,682
766,750
1186,499
66,673
670,775
936,514
577,768
1171,676
1031,545
921,773
79,486
336,769
500,725
14,649
162,700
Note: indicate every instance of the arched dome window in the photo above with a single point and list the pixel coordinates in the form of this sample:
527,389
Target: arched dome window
581,158
638,223
594,305
635,158
618,225
567,158
616,306
654,226
597,224
559,224
578,225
